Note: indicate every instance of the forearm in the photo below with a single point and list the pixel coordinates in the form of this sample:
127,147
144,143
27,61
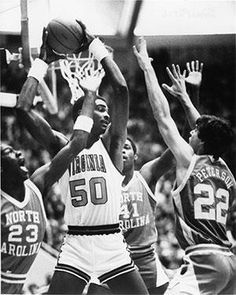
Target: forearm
191,112
27,94
194,94
40,130
158,101
114,75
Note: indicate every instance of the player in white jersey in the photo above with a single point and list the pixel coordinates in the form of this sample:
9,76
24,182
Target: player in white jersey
23,219
94,247
205,189
137,217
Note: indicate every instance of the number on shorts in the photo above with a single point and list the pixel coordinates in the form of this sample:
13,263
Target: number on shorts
211,207
98,191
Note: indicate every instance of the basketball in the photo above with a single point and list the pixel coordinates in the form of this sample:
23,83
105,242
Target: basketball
64,36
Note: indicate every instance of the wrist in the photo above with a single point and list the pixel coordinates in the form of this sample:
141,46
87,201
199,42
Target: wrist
38,69
98,49
84,123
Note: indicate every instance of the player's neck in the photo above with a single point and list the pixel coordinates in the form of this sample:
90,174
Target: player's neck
91,140
128,176
15,191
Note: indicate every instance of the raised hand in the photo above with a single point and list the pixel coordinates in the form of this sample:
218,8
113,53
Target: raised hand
194,73
178,87
47,54
87,39
140,51
90,83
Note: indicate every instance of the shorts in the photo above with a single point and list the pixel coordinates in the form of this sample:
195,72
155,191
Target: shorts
208,269
150,268
96,258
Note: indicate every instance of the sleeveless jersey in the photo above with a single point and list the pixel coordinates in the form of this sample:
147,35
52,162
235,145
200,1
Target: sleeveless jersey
202,201
23,226
91,188
137,218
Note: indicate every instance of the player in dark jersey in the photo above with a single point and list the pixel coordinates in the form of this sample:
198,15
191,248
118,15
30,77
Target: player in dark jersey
23,219
139,202
92,190
204,192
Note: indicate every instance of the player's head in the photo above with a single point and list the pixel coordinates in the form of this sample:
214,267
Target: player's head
12,164
129,153
101,117
214,134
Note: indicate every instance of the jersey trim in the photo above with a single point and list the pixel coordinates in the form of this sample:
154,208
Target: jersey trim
16,202
186,177
101,139
73,271
207,248
11,278
39,196
117,272
150,193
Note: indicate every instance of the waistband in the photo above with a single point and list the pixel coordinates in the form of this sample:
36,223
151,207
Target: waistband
94,230
141,252
11,278
208,248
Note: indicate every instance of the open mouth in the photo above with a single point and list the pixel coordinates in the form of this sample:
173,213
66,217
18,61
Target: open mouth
22,165
105,123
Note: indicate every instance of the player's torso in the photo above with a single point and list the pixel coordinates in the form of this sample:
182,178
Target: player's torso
22,230
202,202
137,213
92,188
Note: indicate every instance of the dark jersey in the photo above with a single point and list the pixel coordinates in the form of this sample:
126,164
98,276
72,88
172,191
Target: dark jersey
137,213
202,201
22,230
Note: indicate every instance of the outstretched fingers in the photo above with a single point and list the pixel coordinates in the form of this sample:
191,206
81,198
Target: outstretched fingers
201,67
194,66
172,78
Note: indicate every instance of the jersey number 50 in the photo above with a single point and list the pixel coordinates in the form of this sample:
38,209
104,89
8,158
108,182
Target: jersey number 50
211,206
98,191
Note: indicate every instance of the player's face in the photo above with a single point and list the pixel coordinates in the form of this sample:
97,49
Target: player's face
194,140
128,156
13,163
101,117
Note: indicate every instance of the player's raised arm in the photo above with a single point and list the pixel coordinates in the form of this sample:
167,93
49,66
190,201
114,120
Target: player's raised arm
161,108
37,126
45,176
178,90
115,137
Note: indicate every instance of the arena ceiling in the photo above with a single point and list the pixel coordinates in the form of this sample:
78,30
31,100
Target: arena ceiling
124,18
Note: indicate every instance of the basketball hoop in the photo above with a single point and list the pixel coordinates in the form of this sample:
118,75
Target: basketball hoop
7,57
77,67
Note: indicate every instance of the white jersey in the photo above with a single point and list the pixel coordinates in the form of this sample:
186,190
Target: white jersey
91,188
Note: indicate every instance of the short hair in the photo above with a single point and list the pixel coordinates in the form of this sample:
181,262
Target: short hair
77,107
216,134
134,147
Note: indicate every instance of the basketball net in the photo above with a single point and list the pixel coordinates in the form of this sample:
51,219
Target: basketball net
77,68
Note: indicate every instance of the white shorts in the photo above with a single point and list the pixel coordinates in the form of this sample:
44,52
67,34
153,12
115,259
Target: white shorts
95,257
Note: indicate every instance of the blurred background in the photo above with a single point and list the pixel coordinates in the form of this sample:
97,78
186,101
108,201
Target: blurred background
176,32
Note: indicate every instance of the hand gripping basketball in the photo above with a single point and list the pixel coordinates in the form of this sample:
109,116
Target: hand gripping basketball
47,54
87,38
